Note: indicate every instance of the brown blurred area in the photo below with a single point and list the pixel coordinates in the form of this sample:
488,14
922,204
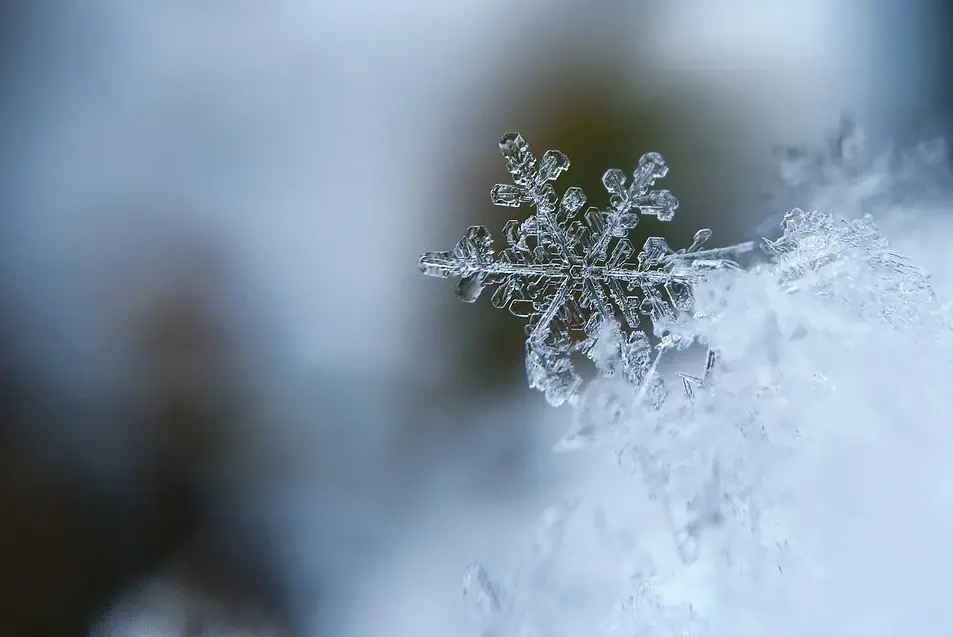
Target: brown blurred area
71,549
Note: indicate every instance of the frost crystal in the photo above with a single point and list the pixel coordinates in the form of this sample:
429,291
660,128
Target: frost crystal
570,270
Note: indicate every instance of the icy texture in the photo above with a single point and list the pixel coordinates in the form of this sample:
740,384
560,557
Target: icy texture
570,271
717,469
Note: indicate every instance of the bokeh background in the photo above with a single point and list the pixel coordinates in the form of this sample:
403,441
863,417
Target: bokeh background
229,400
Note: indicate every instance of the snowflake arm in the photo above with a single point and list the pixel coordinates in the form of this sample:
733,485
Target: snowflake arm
626,203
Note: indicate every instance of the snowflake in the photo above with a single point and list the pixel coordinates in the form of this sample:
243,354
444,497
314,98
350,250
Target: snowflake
569,272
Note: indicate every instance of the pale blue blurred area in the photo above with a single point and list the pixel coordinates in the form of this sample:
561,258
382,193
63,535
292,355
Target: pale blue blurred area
312,150
312,141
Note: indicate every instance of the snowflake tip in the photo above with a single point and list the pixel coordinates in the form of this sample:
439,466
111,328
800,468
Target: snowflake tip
554,163
472,254
439,264
506,195
614,181
653,166
573,201
701,237
661,204
520,162
513,143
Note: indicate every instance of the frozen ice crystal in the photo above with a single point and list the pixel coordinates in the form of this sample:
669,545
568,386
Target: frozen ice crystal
815,240
569,271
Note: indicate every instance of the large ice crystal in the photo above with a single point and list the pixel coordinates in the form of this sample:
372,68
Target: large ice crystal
570,270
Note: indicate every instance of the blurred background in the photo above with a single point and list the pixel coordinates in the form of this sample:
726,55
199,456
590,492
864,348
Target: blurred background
230,402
